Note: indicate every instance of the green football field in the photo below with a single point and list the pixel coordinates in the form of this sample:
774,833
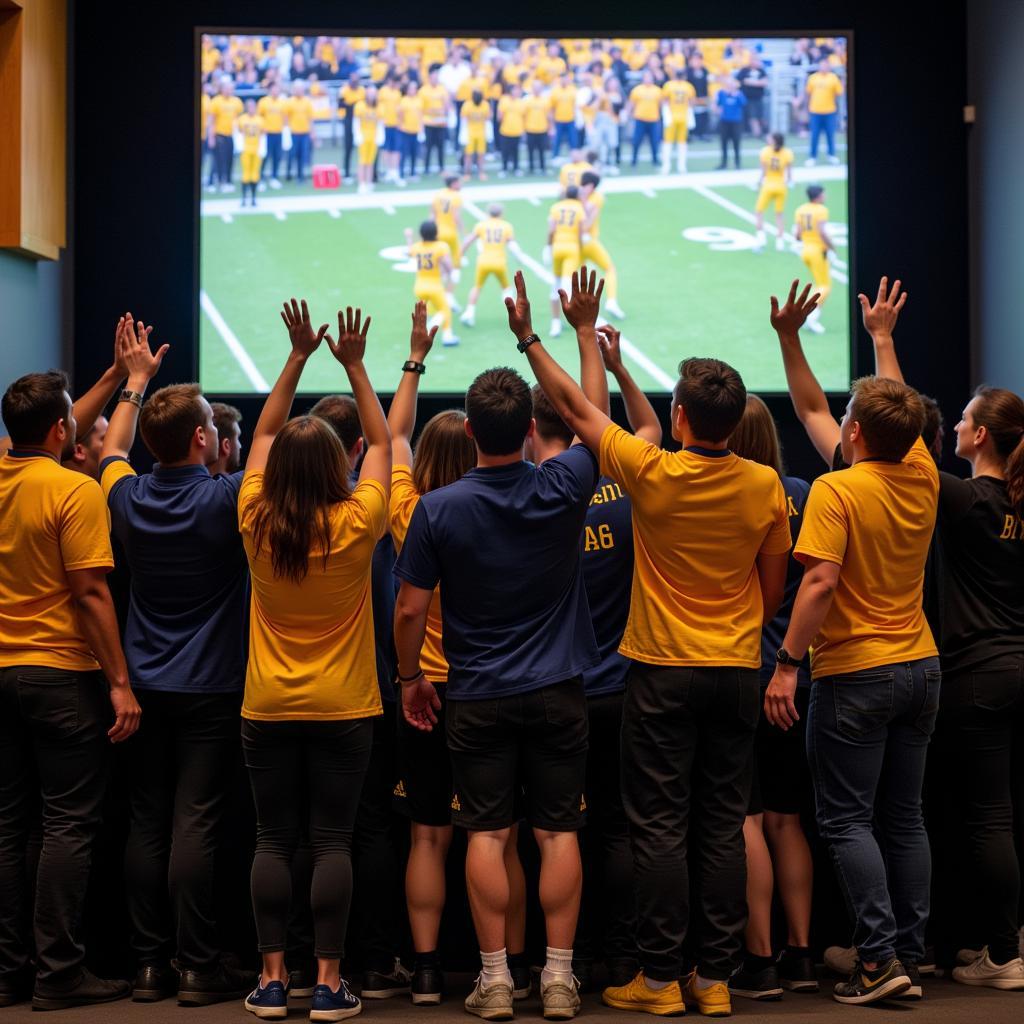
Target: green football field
689,281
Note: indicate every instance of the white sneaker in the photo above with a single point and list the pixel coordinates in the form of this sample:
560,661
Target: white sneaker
400,182
455,304
556,328
758,249
261,187
227,187
985,973
968,956
491,1003
833,160
448,339
810,162
780,245
468,318
275,183
841,959
615,309
815,326
561,1001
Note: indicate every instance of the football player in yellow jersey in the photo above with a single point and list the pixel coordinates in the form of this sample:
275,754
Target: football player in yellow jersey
250,127
273,108
476,114
776,177
562,253
679,94
495,237
645,109
366,115
593,252
446,210
433,270
388,98
572,173
809,229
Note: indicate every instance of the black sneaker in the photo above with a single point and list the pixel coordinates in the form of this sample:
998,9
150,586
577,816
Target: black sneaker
16,987
154,982
760,984
302,982
86,991
863,986
914,974
522,981
583,971
384,985
427,986
621,970
222,984
927,965
796,972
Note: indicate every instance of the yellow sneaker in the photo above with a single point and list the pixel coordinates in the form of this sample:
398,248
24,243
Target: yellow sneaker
712,1001
662,1002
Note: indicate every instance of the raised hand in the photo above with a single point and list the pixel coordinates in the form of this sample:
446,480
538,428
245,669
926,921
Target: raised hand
519,320
421,340
351,344
134,355
790,318
305,341
880,317
608,341
581,307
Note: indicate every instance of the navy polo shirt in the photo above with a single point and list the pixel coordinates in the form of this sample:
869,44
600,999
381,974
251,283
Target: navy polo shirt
187,625
504,544
730,106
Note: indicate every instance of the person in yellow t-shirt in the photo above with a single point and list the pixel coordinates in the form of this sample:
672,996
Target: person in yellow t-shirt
348,96
562,252
823,89
410,127
389,95
645,109
251,128
809,229
225,108
593,252
776,178
475,114
273,108
433,262
436,106
495,236
552,65
366,115
711,549
511,125
446,211
571,174
563,108
300,124
538,124
311,690
679,93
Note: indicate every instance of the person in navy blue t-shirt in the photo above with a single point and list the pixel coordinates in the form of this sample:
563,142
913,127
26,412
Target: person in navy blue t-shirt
730,103
504,545
185,643
608,908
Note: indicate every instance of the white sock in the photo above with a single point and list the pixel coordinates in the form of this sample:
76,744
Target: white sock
705,983
471,311
494,968
681,155
558,967
760,236
666,159
654,985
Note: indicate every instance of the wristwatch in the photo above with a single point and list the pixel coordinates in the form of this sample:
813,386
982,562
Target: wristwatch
411,366
131,396
783,657
527,342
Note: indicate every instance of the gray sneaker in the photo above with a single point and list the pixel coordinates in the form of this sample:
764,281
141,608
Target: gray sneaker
491,1003
561,1001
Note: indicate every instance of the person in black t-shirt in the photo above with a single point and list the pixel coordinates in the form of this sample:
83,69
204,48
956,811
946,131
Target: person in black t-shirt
753,81
697,76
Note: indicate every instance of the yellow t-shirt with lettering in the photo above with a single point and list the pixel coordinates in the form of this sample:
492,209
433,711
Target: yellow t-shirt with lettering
823,90
699,523
225,110
567,216
646,100
679,94
774,163
572,172
250,128
446,204
300,115
404,499
428,257
367,117
476,116
52,520
272,109
494,234
874,520
311,644
809,217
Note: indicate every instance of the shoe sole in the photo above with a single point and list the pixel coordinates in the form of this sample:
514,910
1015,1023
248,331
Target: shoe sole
383,993
209,998
801,986
491,1012
267,1012
892,988
912,993
763,995
672,1010
335,1014
45,1003
1004,984
150,995
426,998
560,1013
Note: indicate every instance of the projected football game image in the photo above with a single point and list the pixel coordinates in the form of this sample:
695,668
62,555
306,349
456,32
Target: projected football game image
697,175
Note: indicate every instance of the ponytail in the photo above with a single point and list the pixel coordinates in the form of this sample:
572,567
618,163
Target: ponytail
1001,412
1015,477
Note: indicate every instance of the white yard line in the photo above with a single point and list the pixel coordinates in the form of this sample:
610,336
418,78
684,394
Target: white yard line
839,268
235,347
634,353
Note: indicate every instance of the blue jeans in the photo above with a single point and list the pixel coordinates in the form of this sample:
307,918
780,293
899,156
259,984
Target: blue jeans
651,131
867,739
565,131
298,155
823,123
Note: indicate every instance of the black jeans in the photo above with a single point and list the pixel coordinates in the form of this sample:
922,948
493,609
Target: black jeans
53,749
186,747
536,146
731,133
982,714
687,738
223,155
434,135
509,152
327,761
272,165
608,910
378,877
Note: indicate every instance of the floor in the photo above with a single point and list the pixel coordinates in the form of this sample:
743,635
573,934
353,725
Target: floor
944,1001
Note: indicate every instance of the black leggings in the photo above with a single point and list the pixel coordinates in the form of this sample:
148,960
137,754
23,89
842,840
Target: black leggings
434,134
327,761
510,152
730,131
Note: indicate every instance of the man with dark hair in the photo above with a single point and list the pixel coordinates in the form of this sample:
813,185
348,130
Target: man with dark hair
504,544
185,641
62,669
85,455
226,418
712,541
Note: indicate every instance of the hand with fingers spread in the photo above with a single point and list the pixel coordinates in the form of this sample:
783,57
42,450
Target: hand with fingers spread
788,319
880,317
134,354
609,341
305,341
582,306
351,344
421,340
519,320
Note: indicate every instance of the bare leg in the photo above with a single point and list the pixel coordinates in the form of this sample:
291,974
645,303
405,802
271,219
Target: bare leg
759,888
515,917
561,881
425,883
488,887
794,871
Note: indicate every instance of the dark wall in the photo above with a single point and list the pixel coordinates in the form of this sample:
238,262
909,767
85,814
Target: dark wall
133,92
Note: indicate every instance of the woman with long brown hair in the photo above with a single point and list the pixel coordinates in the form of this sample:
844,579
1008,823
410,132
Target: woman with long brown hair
311,684
777,849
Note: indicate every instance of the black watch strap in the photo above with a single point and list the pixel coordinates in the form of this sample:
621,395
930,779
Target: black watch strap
783,657
411,366
527,342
